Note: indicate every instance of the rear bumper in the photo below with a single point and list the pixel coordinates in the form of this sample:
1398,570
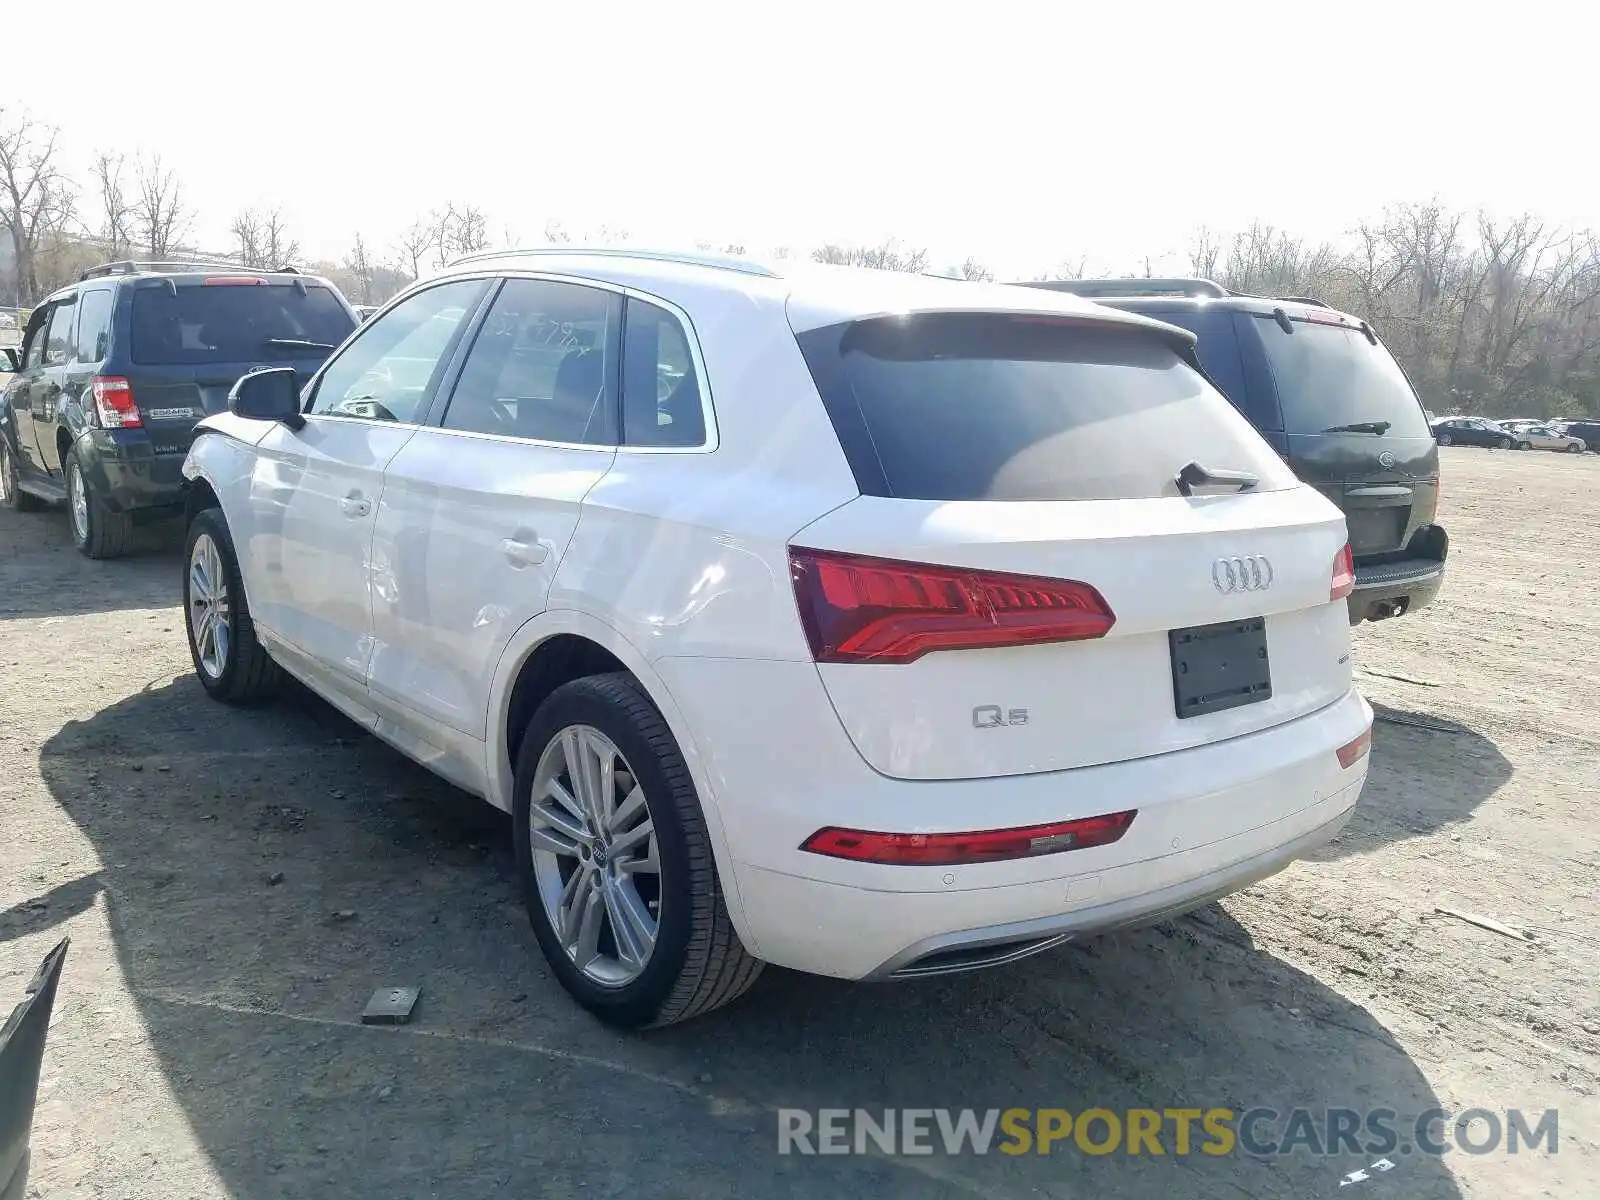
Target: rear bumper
127,475
1392,589
780,766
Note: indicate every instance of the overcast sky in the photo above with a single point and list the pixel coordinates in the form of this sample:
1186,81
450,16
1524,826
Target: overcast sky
1020,133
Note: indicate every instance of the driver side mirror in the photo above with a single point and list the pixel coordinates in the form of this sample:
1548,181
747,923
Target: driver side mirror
270,395
12,362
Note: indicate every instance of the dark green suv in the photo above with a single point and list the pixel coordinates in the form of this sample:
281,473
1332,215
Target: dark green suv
1336,406
115,370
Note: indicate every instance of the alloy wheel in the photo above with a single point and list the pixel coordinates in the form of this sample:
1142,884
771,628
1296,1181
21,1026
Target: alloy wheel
210,616
595,860
78,502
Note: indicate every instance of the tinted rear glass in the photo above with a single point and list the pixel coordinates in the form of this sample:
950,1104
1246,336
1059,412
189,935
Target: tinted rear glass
1328,375
199,323
996,407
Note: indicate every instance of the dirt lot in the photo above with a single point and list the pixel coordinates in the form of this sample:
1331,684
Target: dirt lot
208,1044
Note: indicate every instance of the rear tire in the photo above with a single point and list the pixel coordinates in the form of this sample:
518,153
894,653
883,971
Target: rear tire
97,532
602,872
1524,445
231,663
11,482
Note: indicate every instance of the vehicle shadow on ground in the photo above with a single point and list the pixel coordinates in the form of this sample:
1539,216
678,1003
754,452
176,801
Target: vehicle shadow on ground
43,575
1427,772
264,871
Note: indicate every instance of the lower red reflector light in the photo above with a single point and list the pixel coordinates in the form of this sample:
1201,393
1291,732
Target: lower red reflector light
989,845
1354,751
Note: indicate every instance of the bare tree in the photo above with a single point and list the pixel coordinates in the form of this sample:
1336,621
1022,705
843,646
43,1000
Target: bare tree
246,231
279,249
1205,254
116,205
886,256
359,264
161,216
973,269
413,244
36,196
1067,268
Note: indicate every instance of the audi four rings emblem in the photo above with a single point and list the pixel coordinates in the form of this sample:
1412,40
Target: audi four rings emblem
1250,573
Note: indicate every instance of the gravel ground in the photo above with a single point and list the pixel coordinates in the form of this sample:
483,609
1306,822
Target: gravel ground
236,884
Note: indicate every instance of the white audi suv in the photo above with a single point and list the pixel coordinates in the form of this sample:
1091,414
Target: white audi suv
872,625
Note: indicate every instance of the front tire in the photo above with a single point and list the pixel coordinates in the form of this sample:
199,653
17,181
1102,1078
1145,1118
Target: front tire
1504,443
1443,439
11,493
97,532
1571,449
232,665
616,864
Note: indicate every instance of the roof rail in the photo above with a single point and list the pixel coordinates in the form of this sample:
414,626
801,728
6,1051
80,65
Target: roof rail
1304,300
718,261
1090,288
169,267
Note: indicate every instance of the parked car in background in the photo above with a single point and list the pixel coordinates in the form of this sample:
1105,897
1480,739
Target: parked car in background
1588,431
1328,397
828,617
1545,437
1472,431
115,370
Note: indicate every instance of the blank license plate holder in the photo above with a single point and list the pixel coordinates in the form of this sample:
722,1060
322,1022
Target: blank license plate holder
1218,667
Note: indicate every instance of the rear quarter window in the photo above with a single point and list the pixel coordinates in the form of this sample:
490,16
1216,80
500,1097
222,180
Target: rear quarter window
1000,407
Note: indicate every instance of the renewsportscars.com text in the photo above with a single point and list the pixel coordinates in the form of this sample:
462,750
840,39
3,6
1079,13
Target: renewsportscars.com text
1261,1132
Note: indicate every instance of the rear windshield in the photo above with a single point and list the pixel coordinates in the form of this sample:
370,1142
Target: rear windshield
1328,376
199,323
998,407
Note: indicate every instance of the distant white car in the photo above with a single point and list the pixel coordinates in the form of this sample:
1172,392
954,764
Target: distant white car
7,321
1543,437
871,625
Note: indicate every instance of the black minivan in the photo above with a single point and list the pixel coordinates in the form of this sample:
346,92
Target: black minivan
1333,402
115,371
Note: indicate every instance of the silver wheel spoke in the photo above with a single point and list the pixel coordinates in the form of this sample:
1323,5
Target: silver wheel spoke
648,863
631,926
563,834
624,813
625,841
590,910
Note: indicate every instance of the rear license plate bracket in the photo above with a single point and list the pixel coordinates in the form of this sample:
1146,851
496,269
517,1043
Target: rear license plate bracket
1218,667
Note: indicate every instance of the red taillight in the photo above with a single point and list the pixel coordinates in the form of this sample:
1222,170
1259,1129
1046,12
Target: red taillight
113,402
857,609
1354,751
1344,574
990,845
232,281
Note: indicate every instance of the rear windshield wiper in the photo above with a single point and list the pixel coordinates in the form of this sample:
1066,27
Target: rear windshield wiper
1378,427
1193,475
297,344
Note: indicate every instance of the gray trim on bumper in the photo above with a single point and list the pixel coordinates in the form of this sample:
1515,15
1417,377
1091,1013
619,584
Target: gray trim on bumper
1020,939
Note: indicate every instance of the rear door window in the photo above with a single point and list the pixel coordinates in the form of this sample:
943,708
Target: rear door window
58,342
235,322
978,406
1331,375
541,366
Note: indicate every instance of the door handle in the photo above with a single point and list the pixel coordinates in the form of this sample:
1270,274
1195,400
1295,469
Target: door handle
524,554
355,505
